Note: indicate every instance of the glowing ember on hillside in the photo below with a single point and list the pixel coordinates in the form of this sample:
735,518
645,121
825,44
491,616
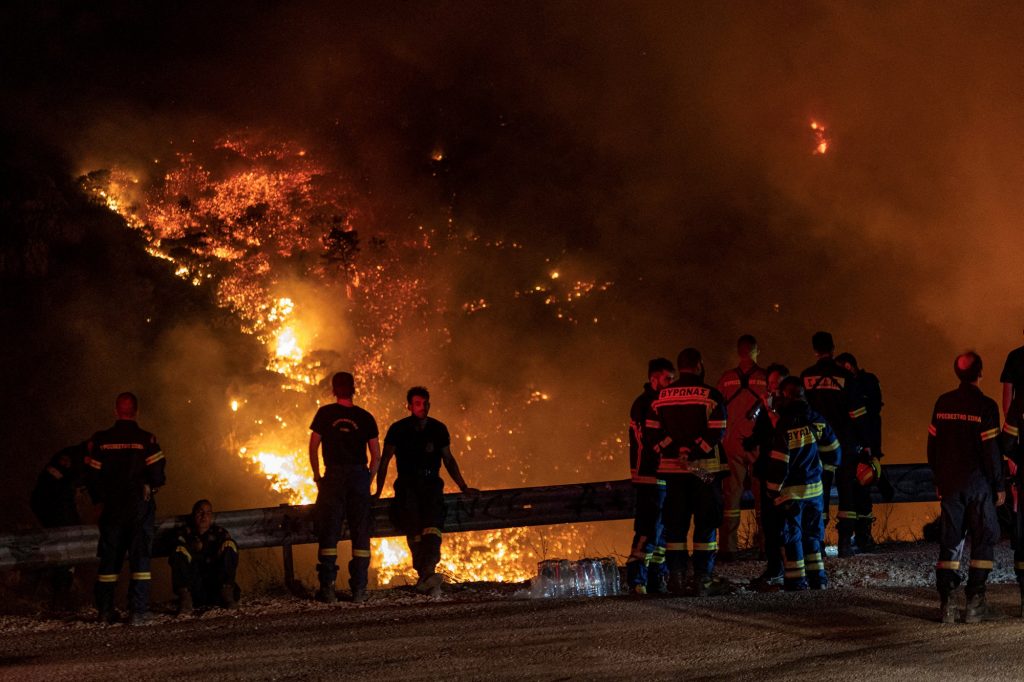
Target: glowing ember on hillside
822,142
273,231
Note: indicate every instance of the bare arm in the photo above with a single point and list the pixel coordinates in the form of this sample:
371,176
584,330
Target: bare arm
382,471
374,446
1007,397
314,455
453,470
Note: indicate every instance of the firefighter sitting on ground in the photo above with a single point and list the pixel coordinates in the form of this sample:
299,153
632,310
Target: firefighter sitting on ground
804,441
420,444
204,563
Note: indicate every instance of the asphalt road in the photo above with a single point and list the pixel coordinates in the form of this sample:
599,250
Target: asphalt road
866,633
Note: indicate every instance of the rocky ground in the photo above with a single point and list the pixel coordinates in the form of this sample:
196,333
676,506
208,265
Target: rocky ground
877,622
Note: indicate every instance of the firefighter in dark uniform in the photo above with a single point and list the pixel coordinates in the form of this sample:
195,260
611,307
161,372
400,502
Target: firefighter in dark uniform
54,504
963,451
868,393
124,468
420,444
804,442
684,429
1013,448
346,432
743,388
204,563
646,571
827,388
761,440
1012,376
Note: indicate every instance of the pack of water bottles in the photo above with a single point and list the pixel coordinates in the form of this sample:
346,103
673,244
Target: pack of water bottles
582,578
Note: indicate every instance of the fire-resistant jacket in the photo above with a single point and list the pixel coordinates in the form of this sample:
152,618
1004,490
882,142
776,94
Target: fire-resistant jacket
121,461
804,442
744,393
687,422
963,448
643,464
827,387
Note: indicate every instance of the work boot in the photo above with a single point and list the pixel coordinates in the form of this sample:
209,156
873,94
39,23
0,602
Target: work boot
978,610
677,581
431,585
326,593
638,590
106,616
184,602
140,618
227,597
359,595
947,608
658,585
709,586
846,548
769,581
865,541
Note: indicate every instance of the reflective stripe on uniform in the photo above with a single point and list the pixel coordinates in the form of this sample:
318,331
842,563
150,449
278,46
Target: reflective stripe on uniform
717,424
107,577
981,563
733,513
990,434
94,463
800,492
705,546
828,448
647,480
1011,430
229,544
432,531
181,550
652,424
931,430
154,458
675,546
780,456
704,446
828,467
948,565
850,515
361,553
55,472
141,575
859,412
328,551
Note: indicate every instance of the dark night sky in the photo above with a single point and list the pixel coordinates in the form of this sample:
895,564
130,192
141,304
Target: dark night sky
664,146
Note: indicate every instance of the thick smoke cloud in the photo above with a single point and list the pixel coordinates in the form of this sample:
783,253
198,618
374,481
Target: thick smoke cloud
663,147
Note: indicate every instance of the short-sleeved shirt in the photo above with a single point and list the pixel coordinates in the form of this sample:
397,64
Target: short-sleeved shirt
418,445
1013,370
344,432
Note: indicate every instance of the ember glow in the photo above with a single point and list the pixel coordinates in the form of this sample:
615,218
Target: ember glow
273,232
822,141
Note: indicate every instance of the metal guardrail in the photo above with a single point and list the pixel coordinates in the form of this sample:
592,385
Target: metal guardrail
286,525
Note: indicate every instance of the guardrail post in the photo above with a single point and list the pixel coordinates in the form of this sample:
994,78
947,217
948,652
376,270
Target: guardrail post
289,562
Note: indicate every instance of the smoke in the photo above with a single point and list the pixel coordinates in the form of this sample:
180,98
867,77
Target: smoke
663,148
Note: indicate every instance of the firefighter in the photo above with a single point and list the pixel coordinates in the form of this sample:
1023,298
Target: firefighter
646,571
827,390
868,392
761,440
204,563
345,431
1013,448
803,443
1012,377
963,452
684,430
124,468
744,389
53,501
420,444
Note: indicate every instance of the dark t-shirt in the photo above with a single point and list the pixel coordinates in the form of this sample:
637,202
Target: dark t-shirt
344,432
1013,370
418,450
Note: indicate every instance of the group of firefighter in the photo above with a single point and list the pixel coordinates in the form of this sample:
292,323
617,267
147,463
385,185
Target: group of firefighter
695,449
123,467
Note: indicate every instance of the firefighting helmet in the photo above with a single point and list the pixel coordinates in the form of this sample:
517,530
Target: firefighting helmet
868,472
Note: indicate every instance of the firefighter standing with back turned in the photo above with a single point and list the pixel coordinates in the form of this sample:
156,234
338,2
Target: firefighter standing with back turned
421,444
827,388
685,426
803,443
963,452
868,393
646,571
345,431
743,388
124,469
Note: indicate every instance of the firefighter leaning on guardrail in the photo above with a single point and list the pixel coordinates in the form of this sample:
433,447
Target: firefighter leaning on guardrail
646,571
963,452
204,563
346,432
124,468
803,443
684,430
1013,448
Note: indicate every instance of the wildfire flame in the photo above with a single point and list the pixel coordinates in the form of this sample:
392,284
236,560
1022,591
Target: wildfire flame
822,141
242,231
